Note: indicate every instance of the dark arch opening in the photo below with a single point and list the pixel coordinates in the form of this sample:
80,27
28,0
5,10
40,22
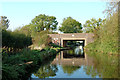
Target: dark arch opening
75,48
65,41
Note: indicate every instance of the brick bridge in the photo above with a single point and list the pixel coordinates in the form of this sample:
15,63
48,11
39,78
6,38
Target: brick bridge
61,39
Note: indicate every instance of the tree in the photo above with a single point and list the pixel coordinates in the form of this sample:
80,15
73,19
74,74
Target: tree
42,21
93,24
70,25
4,22
14,40
25,29
112,7
107,36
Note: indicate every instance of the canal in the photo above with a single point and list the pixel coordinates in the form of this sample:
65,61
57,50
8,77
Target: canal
75,63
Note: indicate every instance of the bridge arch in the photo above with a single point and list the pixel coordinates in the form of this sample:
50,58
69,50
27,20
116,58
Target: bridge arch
60,38
64,40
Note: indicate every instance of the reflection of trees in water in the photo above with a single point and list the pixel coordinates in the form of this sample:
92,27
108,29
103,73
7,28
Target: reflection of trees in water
46,71
77,51
74,43
105,66
90,70
70,69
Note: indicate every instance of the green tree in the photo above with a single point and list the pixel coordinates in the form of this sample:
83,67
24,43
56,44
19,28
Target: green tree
38,38
15,41
41,38
70,25
107,40
93,24
4,22
42,21
25,29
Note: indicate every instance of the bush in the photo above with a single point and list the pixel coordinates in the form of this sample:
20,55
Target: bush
15,41
14,67
106,38
41,38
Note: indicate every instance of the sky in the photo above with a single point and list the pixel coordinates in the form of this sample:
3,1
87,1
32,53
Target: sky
22,12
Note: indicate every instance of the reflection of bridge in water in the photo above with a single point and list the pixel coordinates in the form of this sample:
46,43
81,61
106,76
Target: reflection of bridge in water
72,61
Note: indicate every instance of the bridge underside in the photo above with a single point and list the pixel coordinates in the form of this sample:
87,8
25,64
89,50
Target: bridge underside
65,42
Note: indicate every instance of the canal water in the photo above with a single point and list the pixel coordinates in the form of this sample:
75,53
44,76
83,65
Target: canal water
75,63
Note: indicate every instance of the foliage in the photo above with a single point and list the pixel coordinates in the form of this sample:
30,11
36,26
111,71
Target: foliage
70,25
106,38
25,29
55,46
53,32
93,24
38,38
112,7
103,48
41,38
4,22
42,21
39,28
14,67
14,40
